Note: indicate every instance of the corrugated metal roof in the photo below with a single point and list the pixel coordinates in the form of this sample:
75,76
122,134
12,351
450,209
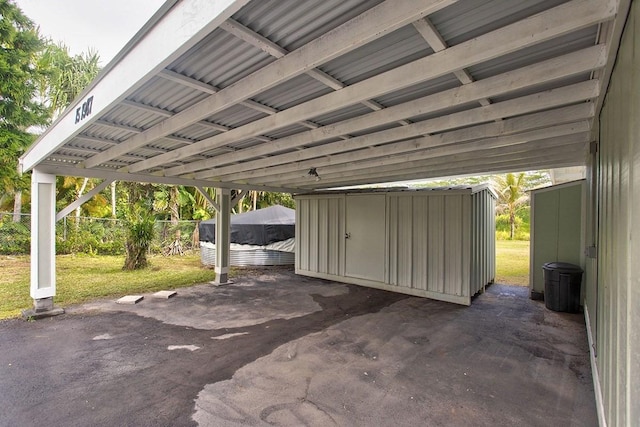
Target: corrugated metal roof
398,48
465,20
230,109
293,23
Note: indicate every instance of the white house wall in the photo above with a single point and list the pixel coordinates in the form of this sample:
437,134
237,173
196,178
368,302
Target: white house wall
617,307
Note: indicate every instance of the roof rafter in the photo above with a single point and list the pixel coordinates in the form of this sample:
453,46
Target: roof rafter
535,29
372,24
437,43
273,49
536,74
491,162
424,148
523,105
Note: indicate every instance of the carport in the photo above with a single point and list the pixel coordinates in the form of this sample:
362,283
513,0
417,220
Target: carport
304,96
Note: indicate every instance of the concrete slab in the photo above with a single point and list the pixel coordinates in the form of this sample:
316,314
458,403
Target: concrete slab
307,352
165,294
130,299
33,314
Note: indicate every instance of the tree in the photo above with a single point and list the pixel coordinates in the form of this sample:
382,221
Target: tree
140,224
511,189
20,109
64,76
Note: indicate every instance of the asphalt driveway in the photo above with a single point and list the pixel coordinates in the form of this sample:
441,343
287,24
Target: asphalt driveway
278,349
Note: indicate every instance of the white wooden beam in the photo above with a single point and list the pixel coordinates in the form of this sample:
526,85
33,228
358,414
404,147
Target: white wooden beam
370,25
429,146
239,195
479,151
65,169
210,89
181,28
208,198
117,126
552,23
546,71
147,108
496,168
523,105
82,199
434,39
522,159
276,51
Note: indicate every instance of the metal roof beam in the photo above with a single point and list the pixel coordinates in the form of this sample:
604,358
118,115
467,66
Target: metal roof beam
544,72
523,105
370,25
546,25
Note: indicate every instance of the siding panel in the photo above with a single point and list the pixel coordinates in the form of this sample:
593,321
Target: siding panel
431,240
615,301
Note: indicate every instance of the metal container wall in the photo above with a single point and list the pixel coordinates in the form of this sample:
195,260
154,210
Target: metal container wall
438,243
247,258
429,244
320,232
483,240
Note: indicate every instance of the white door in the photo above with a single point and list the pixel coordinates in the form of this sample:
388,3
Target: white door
365,236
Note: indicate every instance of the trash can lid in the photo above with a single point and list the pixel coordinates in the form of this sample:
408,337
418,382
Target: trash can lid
562,267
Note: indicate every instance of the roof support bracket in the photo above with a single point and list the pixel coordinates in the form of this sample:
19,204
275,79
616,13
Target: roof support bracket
82,199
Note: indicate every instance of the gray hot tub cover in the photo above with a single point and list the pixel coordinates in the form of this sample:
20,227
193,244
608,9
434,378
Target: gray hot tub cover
259,227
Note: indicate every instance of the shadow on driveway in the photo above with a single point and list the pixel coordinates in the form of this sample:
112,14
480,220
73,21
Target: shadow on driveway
276,348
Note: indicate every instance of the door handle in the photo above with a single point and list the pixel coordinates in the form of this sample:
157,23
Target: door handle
347,235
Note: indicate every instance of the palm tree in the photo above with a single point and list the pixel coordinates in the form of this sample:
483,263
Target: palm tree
65,75
512,195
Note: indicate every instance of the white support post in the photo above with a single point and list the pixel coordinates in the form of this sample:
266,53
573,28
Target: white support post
223,234
43,245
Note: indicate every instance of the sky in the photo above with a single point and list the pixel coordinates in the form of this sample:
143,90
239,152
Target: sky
103,25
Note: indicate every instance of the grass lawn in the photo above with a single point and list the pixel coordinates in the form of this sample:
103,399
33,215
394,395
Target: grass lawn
512,262
81,278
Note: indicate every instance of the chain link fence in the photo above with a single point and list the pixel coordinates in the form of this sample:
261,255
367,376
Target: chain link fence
100,236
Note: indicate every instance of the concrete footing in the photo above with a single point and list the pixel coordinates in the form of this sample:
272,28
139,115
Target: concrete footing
536,296
221,279
42,308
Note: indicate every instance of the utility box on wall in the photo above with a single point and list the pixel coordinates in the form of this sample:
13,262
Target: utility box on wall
434,243
557,229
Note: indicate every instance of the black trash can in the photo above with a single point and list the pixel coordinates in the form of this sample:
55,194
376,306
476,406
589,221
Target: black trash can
562,282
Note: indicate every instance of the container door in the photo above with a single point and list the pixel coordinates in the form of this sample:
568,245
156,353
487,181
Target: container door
365,236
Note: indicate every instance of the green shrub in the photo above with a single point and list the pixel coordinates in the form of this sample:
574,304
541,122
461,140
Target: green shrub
90,237
140,230
15,238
